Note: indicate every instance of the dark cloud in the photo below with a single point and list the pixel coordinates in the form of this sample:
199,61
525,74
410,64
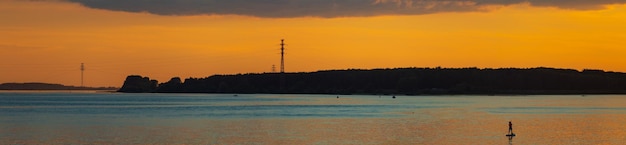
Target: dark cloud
322,8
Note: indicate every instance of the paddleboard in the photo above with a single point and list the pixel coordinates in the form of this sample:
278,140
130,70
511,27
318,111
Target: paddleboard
510,134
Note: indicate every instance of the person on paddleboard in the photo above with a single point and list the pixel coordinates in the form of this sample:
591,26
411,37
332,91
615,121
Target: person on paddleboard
510,127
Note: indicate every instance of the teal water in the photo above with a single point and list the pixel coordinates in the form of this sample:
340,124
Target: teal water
80,105
115,118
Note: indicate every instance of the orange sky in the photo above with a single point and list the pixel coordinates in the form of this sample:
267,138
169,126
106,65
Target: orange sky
45,41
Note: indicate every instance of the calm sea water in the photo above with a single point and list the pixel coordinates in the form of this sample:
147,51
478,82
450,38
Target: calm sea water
114,118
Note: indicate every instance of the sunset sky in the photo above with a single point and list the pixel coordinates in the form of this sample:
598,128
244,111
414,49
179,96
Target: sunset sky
47,40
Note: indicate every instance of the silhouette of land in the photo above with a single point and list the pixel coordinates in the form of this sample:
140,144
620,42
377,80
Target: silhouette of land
410,81
46,86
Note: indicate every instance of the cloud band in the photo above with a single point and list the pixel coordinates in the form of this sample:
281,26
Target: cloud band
323,8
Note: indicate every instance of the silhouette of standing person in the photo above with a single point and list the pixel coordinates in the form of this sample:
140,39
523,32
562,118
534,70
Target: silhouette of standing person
510,127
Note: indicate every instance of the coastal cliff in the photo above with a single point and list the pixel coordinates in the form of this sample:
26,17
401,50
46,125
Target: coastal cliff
138,84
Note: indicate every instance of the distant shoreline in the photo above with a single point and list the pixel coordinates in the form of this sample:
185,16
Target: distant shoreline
477,94
58,91
36,86
240,94
397,81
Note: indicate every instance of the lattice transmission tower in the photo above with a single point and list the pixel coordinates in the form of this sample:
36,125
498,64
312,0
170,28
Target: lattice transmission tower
282,55
82,71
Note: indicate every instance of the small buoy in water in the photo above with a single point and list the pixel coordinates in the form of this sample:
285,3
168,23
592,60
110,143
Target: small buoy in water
393,97
337,97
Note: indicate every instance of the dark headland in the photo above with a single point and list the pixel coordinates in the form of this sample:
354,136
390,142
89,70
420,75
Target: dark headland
409,81
47,86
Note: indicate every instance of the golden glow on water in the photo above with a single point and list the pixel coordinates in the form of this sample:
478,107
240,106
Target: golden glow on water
479,129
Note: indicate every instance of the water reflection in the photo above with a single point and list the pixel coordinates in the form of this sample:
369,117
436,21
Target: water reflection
307,119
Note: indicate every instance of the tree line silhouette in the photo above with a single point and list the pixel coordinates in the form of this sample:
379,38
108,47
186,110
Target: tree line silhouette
410,81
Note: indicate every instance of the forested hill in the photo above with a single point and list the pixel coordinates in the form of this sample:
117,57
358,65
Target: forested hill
411,81
46,86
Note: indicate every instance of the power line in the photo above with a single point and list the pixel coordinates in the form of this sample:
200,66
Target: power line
273,68
82,70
